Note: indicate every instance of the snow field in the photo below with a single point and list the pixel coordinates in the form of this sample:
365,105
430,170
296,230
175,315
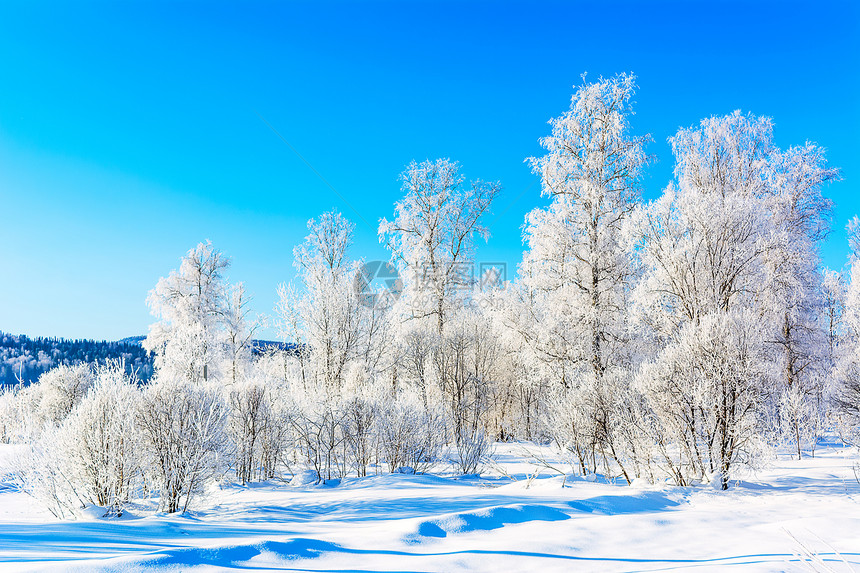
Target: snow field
402,522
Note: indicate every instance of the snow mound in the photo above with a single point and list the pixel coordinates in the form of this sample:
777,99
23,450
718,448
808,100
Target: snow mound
485,520
96,512
305,478
640,483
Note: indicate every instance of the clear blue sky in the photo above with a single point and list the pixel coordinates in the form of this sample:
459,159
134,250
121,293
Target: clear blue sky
129,131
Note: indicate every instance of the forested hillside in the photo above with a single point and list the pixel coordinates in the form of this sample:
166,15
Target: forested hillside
27,358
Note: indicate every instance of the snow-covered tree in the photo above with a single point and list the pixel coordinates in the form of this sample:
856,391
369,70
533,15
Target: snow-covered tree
249,419
239,331
834,292
325,315
736,235
432,241
792,299
341,349
577,271
466,363
431,238
848,352
704,243
188,340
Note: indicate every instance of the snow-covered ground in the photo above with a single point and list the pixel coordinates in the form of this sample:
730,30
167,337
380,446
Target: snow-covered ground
794,516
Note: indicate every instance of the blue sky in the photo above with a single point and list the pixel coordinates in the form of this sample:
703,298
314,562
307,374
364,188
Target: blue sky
130,131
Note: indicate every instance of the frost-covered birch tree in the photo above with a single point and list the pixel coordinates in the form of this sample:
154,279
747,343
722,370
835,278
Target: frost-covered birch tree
734,238
432,242
577,271
340,347
188,339
431,238
325,312
239,331
848,352
703,249
792,300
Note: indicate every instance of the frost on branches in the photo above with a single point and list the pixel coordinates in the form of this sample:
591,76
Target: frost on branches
680,339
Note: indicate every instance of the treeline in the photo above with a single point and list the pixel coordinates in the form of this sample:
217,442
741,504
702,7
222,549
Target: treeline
25,359
682,339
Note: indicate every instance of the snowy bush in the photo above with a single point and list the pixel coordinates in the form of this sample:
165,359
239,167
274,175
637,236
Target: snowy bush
61,389
30,410
184,430
100,439
275,440
359,426
318,430
94,456
249,420
42,473
472,449
410,434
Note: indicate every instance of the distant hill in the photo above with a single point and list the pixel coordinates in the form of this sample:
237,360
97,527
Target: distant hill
25,358
259,346
28,358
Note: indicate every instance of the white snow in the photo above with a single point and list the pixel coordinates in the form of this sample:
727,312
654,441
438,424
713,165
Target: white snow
796,516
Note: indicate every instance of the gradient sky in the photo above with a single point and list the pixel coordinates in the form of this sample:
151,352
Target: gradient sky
129,132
